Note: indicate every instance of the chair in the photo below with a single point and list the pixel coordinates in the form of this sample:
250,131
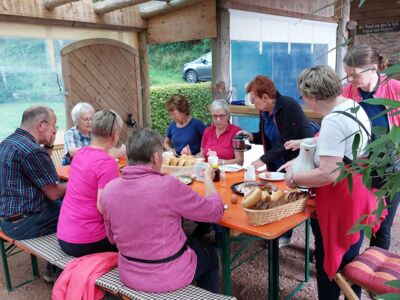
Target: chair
370,270
57,155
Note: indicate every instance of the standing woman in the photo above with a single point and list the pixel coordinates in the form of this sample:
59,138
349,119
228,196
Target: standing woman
81,228
80,134
337,208
184,132
362,65
217,138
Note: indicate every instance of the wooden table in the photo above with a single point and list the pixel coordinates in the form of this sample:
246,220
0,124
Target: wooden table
235,219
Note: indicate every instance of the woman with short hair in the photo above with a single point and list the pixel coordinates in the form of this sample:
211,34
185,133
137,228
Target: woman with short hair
337,208
79,135
184,132
145,222
217,138
81,228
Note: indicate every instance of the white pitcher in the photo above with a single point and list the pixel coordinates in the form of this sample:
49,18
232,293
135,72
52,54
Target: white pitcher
305,160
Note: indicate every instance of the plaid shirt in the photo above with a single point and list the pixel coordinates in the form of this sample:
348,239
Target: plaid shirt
25,168
74,138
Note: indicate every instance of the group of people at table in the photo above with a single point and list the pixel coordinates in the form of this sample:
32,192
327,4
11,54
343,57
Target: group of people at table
137,214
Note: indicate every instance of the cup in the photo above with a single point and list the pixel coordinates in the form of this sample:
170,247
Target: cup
213,160
167,154
250,174
199,170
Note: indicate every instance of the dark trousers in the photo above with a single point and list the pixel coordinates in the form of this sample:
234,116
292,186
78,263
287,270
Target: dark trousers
78,250
206,274
383,235
327,289
35,225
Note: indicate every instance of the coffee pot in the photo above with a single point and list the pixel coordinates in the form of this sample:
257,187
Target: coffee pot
305,160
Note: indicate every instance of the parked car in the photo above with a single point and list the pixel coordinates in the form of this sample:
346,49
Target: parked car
198,70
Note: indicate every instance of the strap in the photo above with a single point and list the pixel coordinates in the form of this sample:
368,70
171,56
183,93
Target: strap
159,261
351,116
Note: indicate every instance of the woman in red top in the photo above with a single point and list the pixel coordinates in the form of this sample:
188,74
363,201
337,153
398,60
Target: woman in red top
217,138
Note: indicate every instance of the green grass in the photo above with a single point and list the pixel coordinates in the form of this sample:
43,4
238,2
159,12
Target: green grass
160,77
11,115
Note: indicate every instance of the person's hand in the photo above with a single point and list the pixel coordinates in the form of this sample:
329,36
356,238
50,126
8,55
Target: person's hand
286,165
186,150
247,134
288,176
257,163
211,153
209,173
293,145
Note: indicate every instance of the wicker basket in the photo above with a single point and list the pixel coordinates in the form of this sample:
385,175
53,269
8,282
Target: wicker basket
187,170
266,216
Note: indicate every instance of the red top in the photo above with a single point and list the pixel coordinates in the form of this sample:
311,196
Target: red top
222,144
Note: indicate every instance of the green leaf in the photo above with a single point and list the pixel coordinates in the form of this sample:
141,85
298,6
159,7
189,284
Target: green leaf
361,3
350,181
393,70
388,297
395,135
356,144
383,101
368,231
393,283
379,130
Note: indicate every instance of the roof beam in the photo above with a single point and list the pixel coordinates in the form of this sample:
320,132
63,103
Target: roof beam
106,6
160,8
51,4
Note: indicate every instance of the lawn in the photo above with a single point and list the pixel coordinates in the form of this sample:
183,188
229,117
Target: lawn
11,115
158,77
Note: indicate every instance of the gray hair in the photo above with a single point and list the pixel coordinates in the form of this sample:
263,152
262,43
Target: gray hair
35,113
142,143
320,82
106,123
79,109
220,104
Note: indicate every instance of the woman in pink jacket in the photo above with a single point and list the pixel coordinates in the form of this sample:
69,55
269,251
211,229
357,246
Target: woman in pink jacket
362,65
142,212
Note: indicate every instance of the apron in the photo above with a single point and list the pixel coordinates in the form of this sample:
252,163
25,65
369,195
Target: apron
338,209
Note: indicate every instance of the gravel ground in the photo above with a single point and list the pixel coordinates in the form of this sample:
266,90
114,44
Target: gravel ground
249,281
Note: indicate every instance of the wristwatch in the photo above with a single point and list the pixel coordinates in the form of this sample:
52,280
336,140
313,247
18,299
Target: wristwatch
49,147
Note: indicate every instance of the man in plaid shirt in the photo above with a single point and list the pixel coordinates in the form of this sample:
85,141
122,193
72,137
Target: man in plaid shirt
29,184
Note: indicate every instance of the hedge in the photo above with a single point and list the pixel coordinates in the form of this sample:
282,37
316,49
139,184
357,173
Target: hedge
199,96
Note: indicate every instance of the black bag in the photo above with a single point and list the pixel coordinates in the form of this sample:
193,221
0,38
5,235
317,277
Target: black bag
376,180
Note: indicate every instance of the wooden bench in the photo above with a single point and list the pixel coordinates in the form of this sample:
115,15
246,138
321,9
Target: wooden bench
47,248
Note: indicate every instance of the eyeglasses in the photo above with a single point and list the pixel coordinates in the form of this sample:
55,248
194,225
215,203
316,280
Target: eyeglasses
54,125
112,125
216,117
357,74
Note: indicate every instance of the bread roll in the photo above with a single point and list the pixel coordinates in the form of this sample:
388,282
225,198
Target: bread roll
173,161
252,199
277,195
265,196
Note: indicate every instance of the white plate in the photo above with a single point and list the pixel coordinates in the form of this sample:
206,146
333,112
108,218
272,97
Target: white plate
231,168
272,176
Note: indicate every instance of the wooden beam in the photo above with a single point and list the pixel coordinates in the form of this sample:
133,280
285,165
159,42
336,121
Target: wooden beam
51,4
342,35
161,8
144,79
194,22
106,6
76,14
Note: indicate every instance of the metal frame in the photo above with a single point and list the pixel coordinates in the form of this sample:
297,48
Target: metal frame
273,261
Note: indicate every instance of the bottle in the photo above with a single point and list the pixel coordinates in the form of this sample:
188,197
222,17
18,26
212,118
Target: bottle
305,160
217,173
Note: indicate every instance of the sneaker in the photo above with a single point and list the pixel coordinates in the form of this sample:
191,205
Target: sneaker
283,242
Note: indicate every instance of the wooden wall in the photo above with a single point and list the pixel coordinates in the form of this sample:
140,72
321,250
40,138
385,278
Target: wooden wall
188,23
308,9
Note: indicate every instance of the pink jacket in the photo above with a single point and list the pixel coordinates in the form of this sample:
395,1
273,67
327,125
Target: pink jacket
143,213
389,89
78,279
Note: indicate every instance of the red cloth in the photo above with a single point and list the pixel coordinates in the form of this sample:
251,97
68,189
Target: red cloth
77,281
222,144
338,209
388,88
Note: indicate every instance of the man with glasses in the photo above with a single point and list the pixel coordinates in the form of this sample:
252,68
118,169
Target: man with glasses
29,184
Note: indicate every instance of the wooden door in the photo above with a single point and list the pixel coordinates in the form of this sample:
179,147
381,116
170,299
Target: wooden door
106,74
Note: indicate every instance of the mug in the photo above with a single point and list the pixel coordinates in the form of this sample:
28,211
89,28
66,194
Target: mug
199,169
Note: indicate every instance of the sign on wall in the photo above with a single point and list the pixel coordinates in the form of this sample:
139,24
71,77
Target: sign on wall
384,36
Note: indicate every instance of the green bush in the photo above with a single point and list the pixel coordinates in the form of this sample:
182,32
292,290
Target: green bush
199,96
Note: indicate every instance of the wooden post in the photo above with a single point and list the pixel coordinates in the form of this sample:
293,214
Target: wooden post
342,36
221,59
162,8
103,7
145,79
51,4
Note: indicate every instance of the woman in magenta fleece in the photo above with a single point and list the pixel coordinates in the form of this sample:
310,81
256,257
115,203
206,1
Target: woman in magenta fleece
80,228
142,212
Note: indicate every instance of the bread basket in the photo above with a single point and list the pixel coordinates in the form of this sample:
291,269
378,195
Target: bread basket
187,170
266,216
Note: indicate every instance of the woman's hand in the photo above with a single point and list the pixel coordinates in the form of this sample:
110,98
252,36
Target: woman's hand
209,173
247,134
257,163
289,177
286,165
293,145
186,150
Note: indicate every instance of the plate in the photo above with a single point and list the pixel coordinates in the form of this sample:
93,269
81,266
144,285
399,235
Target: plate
272,176
231,168
185,179
244,187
